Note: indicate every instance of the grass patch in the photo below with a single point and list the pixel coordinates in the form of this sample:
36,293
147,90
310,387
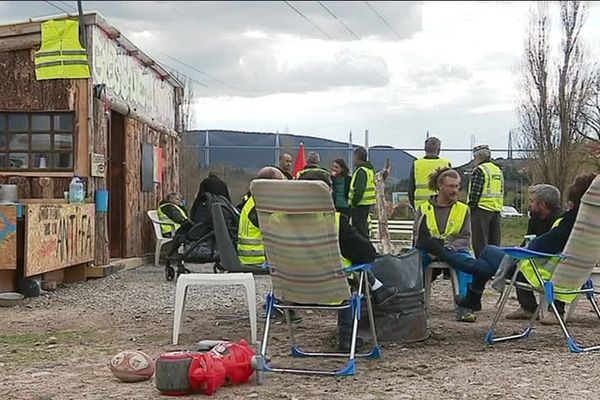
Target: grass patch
33,338
513,230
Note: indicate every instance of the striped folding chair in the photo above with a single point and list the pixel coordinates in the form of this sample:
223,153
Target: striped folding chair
565,276
298,225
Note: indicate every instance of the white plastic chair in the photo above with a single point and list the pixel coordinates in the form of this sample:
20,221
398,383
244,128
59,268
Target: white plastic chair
160,239
245,279
429,276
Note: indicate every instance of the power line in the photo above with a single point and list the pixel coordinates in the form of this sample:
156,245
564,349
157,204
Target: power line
177,72
57,7
67,5
383,19
308,20
338,20
202,72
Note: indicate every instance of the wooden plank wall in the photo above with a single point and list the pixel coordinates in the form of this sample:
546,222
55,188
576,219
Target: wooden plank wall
139,231
22,92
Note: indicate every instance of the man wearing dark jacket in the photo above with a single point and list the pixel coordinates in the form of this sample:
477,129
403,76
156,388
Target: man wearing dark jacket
358,250
362,192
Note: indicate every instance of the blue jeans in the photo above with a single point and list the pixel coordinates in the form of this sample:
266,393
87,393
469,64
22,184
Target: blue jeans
482,269
463,278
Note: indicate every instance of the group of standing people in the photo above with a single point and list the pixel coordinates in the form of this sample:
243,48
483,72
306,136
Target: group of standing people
353,193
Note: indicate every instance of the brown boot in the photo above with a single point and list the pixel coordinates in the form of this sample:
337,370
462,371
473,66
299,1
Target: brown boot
520,314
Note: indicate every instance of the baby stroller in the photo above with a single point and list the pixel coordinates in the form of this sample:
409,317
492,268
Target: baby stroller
195,242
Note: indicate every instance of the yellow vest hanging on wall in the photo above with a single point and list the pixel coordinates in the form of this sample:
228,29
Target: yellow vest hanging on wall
61,56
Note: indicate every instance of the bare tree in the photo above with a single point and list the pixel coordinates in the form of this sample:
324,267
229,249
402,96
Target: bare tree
536,112
556,93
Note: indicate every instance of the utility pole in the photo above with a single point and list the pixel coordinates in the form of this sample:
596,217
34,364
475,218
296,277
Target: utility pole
82,35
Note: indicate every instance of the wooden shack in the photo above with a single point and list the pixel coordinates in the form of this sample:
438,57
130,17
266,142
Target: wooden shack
119,131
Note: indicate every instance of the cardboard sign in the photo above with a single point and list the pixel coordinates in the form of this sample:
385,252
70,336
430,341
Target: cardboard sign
58,236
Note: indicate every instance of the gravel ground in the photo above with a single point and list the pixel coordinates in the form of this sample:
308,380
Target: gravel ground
58,346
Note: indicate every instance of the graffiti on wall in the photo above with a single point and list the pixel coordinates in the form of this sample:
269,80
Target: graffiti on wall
129,81
58,236
8,237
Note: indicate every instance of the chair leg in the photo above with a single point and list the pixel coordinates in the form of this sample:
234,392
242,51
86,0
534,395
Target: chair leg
427,277
489,337
572,344
455,282
180,297
376,352
251,298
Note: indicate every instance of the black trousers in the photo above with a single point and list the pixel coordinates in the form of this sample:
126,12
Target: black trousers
360,219
485,229
527,299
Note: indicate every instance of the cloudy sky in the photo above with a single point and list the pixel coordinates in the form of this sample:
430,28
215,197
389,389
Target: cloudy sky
397,69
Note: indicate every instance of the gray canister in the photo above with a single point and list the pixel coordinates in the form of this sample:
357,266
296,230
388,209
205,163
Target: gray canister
9,194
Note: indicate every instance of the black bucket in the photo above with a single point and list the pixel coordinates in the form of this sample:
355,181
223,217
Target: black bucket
403,318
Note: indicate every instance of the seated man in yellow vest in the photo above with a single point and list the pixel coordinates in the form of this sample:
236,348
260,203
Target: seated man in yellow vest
355,249
443,217
172,210
250,247
484,268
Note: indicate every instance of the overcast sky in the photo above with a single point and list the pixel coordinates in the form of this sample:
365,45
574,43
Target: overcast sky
447,67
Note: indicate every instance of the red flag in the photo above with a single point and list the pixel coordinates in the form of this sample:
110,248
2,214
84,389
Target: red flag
300,162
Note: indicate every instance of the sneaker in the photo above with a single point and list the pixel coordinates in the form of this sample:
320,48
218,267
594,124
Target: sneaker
549,319
384,294
344,345
465,315
520,314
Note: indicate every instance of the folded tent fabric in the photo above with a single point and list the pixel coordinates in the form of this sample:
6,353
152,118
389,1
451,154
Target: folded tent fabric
297,219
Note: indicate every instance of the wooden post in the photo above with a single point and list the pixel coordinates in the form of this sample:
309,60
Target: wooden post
100,138
384,234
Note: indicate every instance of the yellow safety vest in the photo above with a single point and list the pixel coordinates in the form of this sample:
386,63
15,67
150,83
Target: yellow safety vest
368,198
250,247
166,229
423,168
492,195
546,268
61,56
456,220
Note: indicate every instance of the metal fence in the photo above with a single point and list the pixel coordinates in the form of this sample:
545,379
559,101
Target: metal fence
237,156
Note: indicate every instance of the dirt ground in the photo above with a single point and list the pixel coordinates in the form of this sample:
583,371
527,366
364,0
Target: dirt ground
58,346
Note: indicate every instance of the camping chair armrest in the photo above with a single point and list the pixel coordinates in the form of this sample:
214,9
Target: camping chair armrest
358,268
521,253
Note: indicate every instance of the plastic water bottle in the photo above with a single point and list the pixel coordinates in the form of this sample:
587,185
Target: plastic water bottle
76,190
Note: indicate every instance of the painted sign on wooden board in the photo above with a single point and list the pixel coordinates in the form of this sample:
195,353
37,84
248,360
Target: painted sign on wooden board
58,236
8,237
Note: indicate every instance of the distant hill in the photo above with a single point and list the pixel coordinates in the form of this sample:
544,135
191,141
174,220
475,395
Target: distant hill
252,150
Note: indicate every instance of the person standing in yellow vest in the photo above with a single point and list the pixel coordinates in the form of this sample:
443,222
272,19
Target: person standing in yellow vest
443,220
61,55
418,179
172,210
362,192
486,198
